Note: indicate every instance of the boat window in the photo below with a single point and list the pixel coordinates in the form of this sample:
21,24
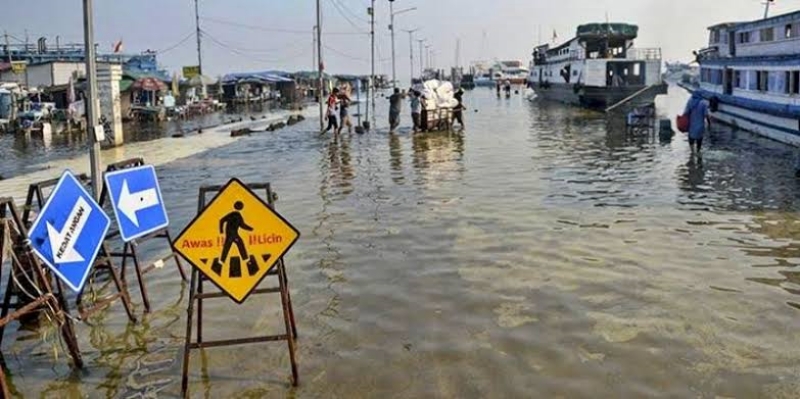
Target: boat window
767,34
789,31
762,79
637,69
738,79
744,37
793,82
716,36
575,73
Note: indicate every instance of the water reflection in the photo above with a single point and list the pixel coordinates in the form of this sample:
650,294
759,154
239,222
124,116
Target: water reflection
396,158
340,165
437,155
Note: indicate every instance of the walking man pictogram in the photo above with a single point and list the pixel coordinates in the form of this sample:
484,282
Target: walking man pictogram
230,225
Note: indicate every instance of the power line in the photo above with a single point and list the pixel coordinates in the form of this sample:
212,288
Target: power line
353,14
341,12
178,44
240,53
256,50
274,30
345,55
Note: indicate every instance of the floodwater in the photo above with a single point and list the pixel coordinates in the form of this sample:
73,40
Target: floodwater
544,252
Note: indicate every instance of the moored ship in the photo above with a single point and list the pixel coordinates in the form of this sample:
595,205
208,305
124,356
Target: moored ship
598,68
751,72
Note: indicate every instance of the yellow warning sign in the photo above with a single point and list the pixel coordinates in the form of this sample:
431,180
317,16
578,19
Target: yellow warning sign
236,240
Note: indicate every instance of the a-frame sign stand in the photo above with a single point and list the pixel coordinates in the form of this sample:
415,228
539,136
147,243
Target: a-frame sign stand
36,200
197,295
129,248
25,268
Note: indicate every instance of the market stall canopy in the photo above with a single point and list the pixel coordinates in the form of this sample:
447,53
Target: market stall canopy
253,77
149,84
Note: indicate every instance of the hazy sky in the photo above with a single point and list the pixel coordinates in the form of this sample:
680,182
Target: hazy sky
247,35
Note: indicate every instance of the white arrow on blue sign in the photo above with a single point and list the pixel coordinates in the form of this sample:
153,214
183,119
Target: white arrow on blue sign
136,198
69,231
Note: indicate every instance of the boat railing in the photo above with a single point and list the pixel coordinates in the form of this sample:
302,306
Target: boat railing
645,54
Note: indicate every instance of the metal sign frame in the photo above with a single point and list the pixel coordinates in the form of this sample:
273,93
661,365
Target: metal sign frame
196,295
129,248
48,297
35,200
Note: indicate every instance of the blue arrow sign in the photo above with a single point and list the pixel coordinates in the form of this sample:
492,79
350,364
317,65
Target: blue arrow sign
136,198
69,231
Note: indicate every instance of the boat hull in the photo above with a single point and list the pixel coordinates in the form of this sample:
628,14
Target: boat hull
778,122
782,129
596,97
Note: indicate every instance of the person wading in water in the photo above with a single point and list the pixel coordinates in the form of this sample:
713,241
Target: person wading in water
331,114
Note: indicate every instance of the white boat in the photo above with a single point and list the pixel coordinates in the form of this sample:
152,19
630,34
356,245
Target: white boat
597,68
751,71
512,71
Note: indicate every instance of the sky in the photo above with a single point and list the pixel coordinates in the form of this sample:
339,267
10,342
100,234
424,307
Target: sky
253,35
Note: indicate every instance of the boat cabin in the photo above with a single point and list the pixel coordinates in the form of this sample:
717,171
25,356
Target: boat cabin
601,54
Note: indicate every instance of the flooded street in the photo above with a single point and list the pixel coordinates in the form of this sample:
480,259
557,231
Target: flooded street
544,252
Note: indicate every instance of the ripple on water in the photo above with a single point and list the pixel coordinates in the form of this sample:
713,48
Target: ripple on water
543,252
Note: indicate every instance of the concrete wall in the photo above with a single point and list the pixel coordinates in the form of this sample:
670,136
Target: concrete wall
62,71
8,76
40,75
108,78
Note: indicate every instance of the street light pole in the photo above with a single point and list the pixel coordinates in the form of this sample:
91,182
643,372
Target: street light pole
320,66
421,59
91,102
371,87
428,56
411,50
391,28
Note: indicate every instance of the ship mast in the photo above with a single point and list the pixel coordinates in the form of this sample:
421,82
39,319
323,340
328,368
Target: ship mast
766,8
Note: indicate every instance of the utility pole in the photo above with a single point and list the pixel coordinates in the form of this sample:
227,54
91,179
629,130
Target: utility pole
428,56
91,101
411,50
199,48
421,59
371,86
8,47
458,52
314,48
320,65
391,28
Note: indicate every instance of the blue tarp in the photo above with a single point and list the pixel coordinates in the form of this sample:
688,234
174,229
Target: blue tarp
265,77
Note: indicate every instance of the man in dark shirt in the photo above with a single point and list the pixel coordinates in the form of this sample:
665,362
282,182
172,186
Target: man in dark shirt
458,112
344,115
395,107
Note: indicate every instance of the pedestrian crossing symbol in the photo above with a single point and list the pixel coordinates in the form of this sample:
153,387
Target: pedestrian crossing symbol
236,240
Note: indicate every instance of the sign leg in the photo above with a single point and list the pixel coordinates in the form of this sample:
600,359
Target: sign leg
68,334
199,309
288,297
289,336
142,288
187,345
126,300
177,257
